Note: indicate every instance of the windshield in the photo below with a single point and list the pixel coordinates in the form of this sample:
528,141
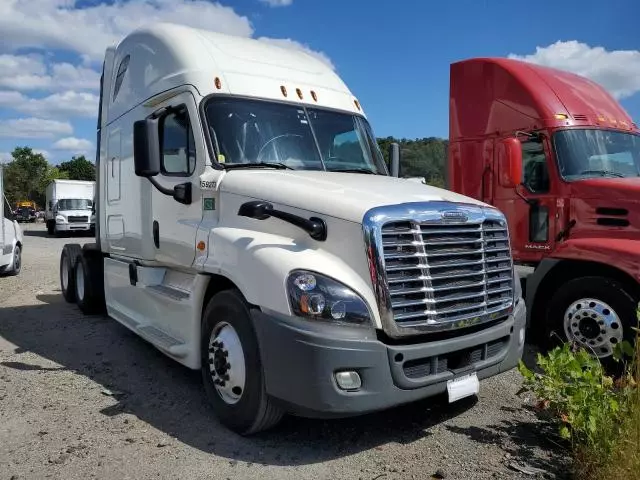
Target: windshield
597,153
74,204
255,131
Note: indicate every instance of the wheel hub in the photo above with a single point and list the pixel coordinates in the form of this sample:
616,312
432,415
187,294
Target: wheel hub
593,324
226,363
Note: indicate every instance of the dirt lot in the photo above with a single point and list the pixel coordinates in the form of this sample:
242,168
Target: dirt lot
82,397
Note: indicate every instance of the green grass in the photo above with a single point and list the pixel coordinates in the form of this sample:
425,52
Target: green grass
597,415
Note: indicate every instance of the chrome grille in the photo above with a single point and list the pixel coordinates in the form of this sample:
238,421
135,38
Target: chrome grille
77,219
441,274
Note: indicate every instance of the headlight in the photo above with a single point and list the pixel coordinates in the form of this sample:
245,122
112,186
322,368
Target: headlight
60,219
317,297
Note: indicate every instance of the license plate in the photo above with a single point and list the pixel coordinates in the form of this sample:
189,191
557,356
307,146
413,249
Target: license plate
462,387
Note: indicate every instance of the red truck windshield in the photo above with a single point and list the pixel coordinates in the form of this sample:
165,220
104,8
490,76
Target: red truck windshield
588,153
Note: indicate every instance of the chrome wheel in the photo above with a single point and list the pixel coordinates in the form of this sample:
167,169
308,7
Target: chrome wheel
594,325
79,281
17,259
64,272
226,363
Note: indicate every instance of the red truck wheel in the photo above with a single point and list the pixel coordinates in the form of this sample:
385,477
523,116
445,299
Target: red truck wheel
596,313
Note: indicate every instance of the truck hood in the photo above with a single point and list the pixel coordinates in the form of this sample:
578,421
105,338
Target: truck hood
342,195
607,188
74,213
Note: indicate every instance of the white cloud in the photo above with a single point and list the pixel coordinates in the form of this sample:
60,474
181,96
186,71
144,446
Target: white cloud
617,70
60,24
34,128
66,104
29,72
277,3
74,145
294,45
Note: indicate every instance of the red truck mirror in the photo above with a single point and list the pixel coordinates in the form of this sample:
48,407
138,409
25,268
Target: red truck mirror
510,162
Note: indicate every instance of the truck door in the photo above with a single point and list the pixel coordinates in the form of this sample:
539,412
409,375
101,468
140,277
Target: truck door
531,207
182,160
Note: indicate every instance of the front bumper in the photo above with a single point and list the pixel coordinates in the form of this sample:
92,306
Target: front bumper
72,227
300,359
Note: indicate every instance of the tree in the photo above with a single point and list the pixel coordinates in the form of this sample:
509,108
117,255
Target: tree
23,176
422,157
79,168
52,173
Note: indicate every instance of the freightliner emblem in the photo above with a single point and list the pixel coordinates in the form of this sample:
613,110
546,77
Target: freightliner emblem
454,216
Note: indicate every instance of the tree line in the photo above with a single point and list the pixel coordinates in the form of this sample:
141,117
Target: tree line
28,173
422,157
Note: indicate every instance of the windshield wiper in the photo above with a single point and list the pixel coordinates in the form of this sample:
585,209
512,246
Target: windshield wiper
276,165
355,170
603,173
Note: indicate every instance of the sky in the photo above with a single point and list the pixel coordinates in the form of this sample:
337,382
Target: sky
393,56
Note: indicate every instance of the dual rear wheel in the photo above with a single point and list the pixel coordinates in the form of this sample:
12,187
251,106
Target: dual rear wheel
81,279
232,372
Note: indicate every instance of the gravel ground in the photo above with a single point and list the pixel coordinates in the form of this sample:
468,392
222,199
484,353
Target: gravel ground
82,397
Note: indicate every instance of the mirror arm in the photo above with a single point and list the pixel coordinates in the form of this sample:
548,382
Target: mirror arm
180,193
160,188
529,201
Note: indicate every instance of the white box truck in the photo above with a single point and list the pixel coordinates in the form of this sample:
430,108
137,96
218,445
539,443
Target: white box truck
10,236
69,206
247,226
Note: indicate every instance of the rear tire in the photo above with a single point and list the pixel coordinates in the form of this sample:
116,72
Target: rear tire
241,402
594,312
89,284
68,258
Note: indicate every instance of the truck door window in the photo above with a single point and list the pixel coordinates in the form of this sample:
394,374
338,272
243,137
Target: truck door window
7,209
178,146
534,167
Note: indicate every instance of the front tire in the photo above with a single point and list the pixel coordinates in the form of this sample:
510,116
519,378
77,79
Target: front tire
596,313
231,368
17,261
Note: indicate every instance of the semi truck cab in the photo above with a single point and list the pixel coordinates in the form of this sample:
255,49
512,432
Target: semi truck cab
247,226
561,158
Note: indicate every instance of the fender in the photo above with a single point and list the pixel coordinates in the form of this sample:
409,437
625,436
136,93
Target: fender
259,264
620,254
623,254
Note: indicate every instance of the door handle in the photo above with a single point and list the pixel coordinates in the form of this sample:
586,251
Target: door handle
156,234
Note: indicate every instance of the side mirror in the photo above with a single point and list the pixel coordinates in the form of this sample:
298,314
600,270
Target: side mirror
509,162
394,159
146,147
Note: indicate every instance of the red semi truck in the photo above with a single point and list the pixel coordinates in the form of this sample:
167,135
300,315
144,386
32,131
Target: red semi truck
561,158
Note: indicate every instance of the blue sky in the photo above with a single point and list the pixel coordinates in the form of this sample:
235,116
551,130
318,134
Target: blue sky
394,56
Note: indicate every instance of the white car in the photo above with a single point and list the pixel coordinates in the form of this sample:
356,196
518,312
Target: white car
10,240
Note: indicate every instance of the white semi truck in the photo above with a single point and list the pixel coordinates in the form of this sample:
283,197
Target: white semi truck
10,236
69,206
247,226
